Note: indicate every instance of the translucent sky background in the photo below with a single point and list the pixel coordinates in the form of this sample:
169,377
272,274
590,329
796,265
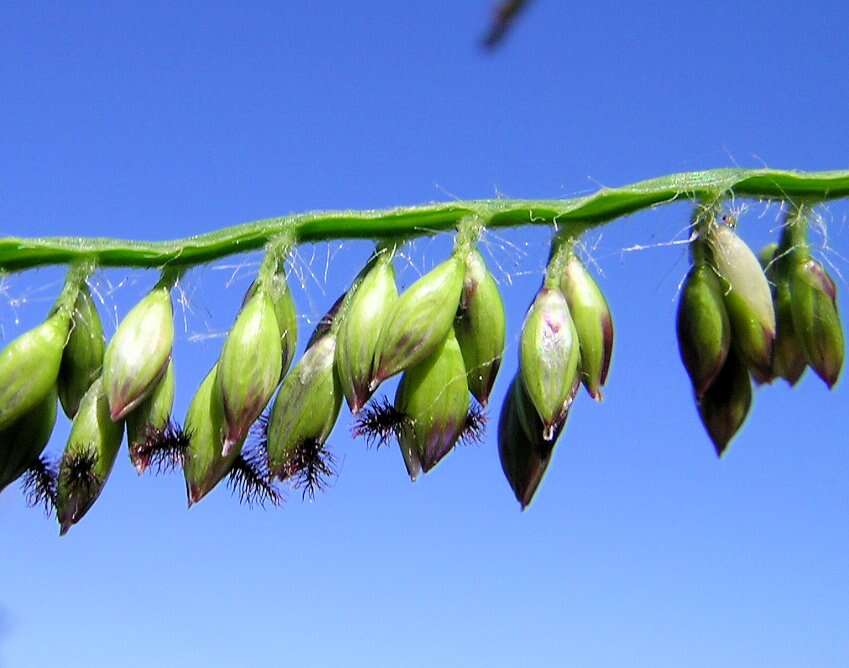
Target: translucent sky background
641,548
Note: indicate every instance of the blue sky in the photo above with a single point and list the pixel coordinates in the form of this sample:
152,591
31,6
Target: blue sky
641,548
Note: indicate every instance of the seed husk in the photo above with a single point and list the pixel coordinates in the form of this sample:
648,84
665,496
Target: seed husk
82,358
306,407
480,327
434,397
29,367
152,415
204,466
549,356
726,403
92,447
23,442
524,453
250,367
418,321
375,293
748,300
704,332
593,322
813,300
139,352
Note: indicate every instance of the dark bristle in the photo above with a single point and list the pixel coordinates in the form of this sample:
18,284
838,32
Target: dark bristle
474,427
310,469
378,422
39,485
251,481
77,473
162,449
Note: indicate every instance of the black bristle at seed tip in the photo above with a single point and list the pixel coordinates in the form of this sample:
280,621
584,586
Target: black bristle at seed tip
251,481
39,485
77,472
378,422
474,427
310,469
162,449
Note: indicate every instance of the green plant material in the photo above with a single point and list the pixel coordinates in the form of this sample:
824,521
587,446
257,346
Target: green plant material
704,333
523,451
29,367
204,465
82,359
813,300
607,204
88,458
434,397
419,320
549,355
152,415
305,409
250,367
373,297
273,280
593,323
139,352
788,358
480,327
748,299
724,406
23,442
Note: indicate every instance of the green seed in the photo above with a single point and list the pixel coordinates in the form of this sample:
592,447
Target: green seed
434,396
82,359
29,367
549,357
419,321
373,298
524,457
704,332
748,300
480,327
277,288
151,415
139,353
306,407
88,458
815,318
724,406
250,366
24,441
593,323
204,466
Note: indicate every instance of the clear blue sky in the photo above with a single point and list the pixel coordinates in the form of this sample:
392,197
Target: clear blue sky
641,549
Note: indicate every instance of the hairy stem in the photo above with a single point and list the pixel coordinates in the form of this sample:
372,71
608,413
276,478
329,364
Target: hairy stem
607,204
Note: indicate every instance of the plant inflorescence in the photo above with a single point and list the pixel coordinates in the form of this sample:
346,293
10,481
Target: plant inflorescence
742,318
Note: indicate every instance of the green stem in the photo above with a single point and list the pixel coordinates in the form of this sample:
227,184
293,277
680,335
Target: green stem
18,253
